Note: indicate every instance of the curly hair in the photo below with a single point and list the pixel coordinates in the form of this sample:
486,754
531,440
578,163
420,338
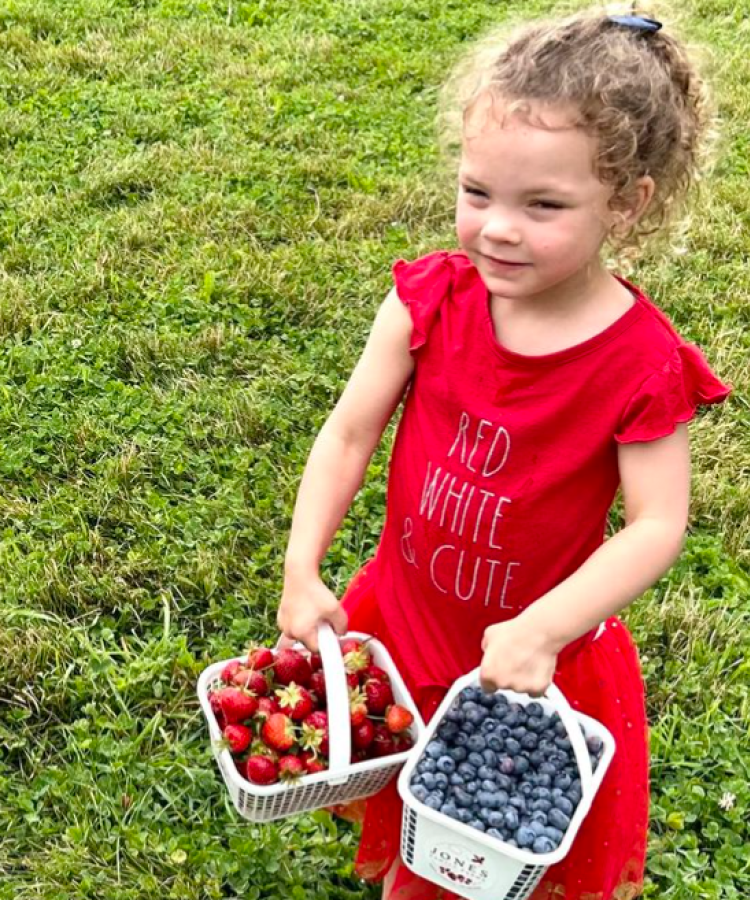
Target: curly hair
637,92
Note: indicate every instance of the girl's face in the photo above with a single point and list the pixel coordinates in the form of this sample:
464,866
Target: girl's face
531,214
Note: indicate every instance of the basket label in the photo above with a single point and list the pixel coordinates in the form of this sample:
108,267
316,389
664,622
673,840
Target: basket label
459,865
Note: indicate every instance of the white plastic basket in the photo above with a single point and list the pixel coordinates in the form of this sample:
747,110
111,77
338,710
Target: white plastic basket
469,862
343,781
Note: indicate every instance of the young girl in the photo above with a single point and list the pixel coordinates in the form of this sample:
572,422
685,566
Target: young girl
537,383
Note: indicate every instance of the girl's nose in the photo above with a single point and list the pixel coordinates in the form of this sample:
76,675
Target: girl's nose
501,228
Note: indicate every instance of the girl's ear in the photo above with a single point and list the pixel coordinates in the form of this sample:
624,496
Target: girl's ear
631,208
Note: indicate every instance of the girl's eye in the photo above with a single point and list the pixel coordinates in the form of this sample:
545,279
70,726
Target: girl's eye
547,204
475,192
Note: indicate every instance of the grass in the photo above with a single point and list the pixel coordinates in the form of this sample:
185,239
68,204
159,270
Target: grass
200,201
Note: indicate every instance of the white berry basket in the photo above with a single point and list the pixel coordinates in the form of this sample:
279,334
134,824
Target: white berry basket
343,781
469,862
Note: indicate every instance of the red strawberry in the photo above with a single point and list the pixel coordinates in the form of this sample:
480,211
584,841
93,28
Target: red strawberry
356,654
374,672
316,662
252,680
357,707
313,764
403,741
318,686
237,705
259,658
278,732
291,768
398,719
267,706
379,696
238,737
315,732
295,701
363,735
352,679
383,743
261,770
241,766
228,672
292,666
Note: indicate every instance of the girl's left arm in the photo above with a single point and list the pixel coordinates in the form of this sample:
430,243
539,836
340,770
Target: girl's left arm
655,477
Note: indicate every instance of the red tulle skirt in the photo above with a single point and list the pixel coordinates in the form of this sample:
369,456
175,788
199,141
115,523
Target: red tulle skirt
606,861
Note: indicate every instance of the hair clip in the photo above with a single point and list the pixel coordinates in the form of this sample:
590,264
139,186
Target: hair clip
639,23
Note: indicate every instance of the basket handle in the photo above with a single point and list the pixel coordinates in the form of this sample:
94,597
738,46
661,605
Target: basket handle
337,700
575,733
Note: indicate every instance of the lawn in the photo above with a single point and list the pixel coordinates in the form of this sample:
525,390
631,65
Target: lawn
200,201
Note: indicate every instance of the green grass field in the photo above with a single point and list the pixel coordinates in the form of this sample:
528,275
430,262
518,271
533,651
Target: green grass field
200,201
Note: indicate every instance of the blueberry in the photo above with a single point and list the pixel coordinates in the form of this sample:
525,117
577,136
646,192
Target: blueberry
498,835
447,731
456,780
470,695
511,719
560,729
477,715
489,725
543,805
458,754
490,757
489,785
558,819
501,701
512,747
540,818
426,765
475,759
486,772
543,845
487,800
554,834
420,792
478,824
595,744
518,803
519,732
563,743
471,787
522,765
510,818
446,764
536,758
504,782
525,837
563,781
467,770
462,798
535,726
564,805
434,800
460,739
454,715
512,842
502,799
544,780
435,749
496,742
507,765
496,819
534,710
464,815
537,826
487,700
449,809
477,743
526,789
529,741
441,780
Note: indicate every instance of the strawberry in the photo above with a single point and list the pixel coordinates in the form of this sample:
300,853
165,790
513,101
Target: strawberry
237,705
291,768
352,679
312,763
383,744
357,707
316,662
267,706
379,696
374,672
295,701
252,680
291,666
278,732
403,741
228,672
261,770
315,732
356,654
318,686
241,766
363,734
259,658
238,737
398,719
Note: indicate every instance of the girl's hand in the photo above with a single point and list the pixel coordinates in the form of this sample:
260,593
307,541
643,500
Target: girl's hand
516,658
305,603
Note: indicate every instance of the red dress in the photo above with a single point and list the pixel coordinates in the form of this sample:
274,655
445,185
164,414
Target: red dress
503,471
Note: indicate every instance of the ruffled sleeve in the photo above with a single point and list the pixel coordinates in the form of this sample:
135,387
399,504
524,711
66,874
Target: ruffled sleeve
670,396
423,286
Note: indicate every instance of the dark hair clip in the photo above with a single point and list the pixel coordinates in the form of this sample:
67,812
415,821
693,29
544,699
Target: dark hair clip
639,23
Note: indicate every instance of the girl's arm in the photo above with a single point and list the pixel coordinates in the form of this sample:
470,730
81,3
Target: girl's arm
335,470
655,476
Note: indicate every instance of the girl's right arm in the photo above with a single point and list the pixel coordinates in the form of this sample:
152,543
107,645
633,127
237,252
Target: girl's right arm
336,468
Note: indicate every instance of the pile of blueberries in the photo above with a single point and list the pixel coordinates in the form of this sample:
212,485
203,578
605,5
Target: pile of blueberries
506,769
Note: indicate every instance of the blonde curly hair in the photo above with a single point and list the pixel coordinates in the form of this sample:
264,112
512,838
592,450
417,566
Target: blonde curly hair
637,92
